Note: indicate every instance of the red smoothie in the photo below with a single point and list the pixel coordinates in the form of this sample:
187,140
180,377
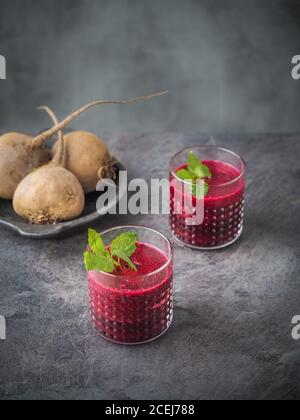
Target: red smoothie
223,206
133,307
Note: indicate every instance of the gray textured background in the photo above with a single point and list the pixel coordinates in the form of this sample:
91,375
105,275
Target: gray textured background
231,336
227,66
227,63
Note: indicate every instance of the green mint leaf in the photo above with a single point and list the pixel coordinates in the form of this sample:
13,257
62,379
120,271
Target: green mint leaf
185,175
200,191
98,262
197,190
197,168
124,246
193,160
202,171
95,243
98,258
125,243
206,188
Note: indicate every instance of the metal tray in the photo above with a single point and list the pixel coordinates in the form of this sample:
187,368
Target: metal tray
12,221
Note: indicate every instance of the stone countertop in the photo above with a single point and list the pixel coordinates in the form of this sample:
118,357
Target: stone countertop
231,336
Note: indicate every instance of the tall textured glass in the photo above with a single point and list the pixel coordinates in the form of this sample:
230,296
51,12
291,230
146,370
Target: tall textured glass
223,205
135,307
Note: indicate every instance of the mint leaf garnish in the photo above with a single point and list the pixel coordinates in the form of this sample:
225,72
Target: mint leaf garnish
124,246
95,262
193,161
196,170
185,175
95,242
199,190
98,258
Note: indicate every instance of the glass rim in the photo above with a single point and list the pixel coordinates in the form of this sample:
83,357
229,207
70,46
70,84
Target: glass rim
223,149
142,276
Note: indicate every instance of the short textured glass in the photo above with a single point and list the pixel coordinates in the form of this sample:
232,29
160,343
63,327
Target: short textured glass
137,308
223,205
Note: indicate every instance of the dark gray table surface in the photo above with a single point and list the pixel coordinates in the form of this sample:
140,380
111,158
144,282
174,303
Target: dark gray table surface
231,336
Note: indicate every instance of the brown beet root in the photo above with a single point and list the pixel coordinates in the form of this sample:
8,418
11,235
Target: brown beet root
18,157
88,158
85,155
20,154
50,194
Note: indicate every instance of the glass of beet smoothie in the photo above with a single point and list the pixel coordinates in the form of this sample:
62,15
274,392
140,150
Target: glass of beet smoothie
134,306
223,199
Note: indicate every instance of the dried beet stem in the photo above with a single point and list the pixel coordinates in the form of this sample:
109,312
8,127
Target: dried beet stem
59,157
93,157
41,138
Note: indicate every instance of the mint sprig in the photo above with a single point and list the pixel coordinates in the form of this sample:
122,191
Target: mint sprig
196,170
200,190
98,258
95,242
95,262
124,246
